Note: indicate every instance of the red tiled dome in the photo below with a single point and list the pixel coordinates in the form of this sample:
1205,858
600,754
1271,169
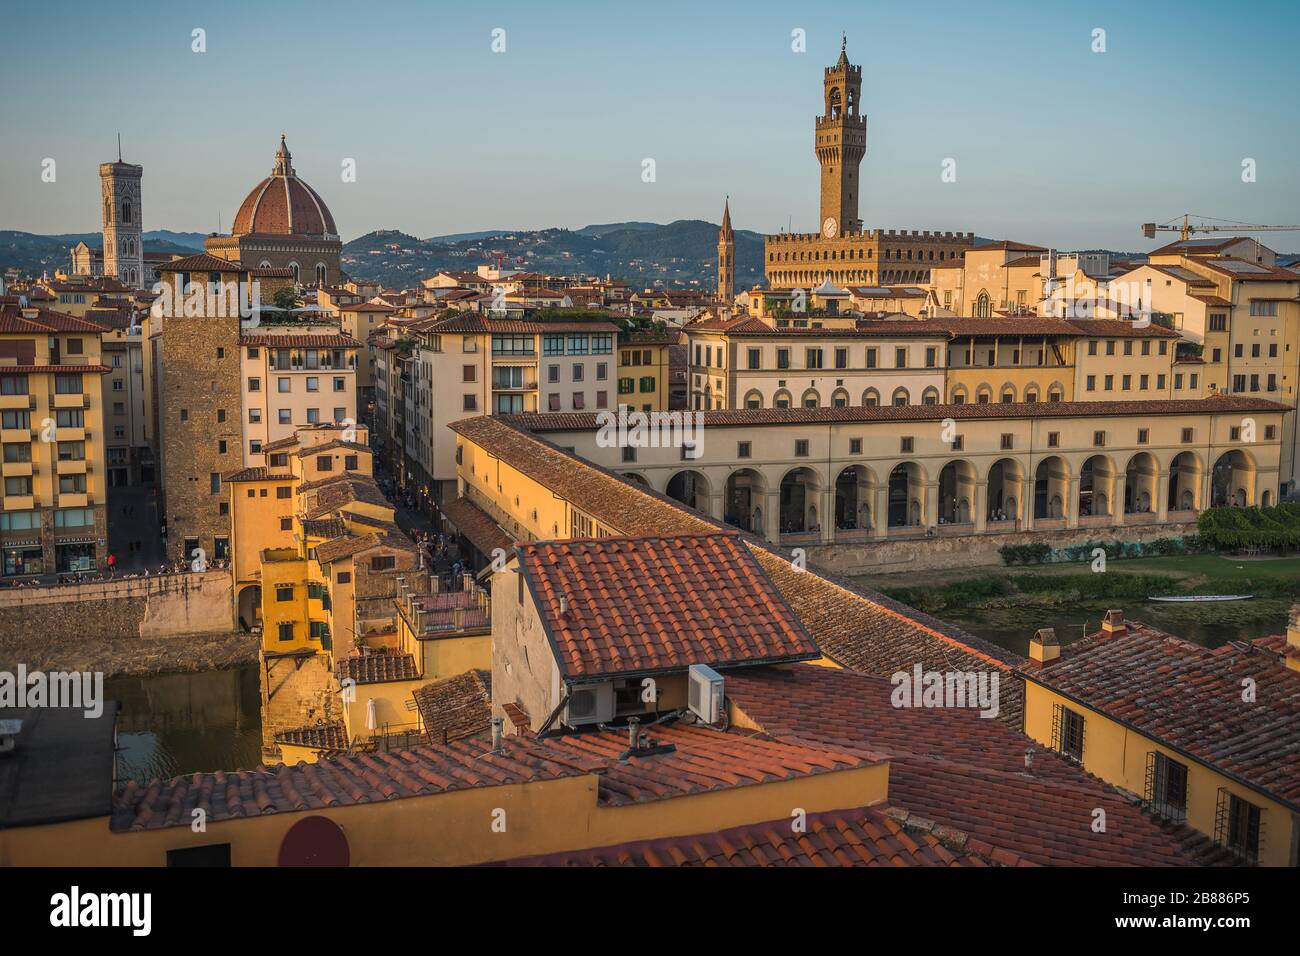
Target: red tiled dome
283,205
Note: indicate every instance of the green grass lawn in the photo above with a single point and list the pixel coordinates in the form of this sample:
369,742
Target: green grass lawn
1213,567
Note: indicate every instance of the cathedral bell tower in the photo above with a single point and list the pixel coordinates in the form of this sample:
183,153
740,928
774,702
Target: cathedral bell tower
841,144
119,184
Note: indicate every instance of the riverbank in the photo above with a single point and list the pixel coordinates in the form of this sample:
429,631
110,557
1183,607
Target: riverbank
1006,605
51,650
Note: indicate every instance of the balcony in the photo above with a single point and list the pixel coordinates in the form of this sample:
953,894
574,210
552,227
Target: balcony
69,466
71,400
18,503
19,436
17,468
18,401
66,500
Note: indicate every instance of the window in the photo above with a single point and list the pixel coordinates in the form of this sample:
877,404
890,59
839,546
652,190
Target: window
1218,322
254,384
283,384
283,492
285,416
578,371
629,454
18,453
1236,825
812,358
872,357
801,448
68,384
324,463
345,577
470,403
18,485
1099,439
1270,432
958,442
286,630
782,358
841,358
900,358
1166,787
1067,732
313,383
15,419
744,449
855,446
286,524
1144,436
69,451
383,562
905,445
1008,441
70,484
13,384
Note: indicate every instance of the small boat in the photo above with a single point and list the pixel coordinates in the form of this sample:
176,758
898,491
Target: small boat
1200,598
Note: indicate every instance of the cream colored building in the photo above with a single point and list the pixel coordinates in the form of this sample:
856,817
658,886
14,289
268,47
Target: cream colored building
840,475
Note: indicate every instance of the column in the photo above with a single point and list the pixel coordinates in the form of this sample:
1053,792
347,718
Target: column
980,505
1072,502
1117,510
772,516
930,505
1162,495
880,512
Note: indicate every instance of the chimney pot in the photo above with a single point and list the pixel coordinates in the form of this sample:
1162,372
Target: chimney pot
498,724
1043,646
1113,623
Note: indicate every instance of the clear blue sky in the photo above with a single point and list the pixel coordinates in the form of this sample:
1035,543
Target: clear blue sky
1054,143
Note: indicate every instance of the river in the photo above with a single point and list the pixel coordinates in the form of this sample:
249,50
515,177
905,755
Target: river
173,724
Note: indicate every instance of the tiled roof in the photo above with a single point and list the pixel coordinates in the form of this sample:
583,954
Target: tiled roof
1244,271
256,474
863,837
344,547
324,527
202,262
376,668
456,707
290,442
1190,698
951,766
310,340
13,322
326,737
330,446
658,603
338,781
335,496
1218,403
477,525
1117,328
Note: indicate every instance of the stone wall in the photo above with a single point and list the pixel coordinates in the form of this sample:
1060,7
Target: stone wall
297,692
968,551
124,626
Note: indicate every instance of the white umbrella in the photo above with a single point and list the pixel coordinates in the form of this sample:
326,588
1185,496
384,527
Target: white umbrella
371,721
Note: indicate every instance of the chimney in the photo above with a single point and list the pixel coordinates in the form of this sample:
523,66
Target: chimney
497,724
564,605
1112,625
1043,646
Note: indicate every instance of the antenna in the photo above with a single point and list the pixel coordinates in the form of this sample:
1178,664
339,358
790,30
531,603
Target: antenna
119,147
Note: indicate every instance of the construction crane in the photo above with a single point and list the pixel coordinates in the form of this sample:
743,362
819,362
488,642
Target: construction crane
1149,229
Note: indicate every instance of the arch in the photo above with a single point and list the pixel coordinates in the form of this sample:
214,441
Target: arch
1051,486
250,607
840,398
800,490
855,488
1007,394
957,492
870,398
1097,486
743,500
691,488
296,271
1186,475
930,396
906,495
984,394
1005,490
983,305
1056,392
314,841
1141,479
959,395
1031,394
1266,499
901,397
781,399
1233,480
639,478
810,399
753,399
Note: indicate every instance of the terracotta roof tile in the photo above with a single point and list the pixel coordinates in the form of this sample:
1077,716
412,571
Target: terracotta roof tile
477,525
456,707
1190,698
376,668
658,603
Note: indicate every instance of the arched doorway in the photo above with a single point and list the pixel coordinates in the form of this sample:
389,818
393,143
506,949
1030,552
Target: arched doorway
315,841
906,494
1233,480
957,493
744,500
1006,490
1185,476
1141,479
1051,486
1096,487
250,607
800,494
690,488
854,487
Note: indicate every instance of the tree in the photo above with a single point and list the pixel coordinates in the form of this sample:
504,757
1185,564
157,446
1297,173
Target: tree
287,298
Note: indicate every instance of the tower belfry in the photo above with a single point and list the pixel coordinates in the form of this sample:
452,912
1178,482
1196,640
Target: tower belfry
841,143
120,200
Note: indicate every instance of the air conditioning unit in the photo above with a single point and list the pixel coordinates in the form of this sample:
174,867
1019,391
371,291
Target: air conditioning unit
589,704
705,693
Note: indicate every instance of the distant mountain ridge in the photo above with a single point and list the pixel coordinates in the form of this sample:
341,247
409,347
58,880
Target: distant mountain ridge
679,254
34,254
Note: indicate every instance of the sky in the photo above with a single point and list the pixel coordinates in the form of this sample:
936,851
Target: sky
1052,141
